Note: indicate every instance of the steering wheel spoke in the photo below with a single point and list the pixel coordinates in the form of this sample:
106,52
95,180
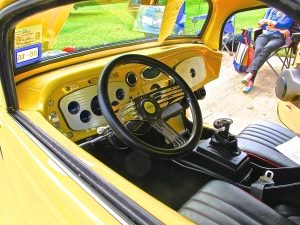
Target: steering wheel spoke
167,95
127,111
169,133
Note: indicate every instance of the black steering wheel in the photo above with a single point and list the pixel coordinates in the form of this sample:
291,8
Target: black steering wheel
149,107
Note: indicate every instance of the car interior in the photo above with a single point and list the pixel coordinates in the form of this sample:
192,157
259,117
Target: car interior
138,111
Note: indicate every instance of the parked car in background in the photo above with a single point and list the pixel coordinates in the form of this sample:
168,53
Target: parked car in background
93,122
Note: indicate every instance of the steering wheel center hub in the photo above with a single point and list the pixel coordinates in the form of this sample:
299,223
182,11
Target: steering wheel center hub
149,107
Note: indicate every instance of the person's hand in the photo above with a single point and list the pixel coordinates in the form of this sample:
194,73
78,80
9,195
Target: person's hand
266,22
262,22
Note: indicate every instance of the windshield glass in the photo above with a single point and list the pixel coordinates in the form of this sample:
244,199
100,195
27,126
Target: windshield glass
96,24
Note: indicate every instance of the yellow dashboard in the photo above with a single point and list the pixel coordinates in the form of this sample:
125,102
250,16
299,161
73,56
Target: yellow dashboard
67,97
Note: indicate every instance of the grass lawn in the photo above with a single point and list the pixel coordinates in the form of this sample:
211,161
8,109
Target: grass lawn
85,22
248,19
118,24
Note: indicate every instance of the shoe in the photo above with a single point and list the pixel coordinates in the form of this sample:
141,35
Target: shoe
248,88
247,78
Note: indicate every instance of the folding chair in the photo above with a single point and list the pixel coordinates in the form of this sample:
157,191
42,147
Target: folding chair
297,57
228,34
195,19
289,51
294,48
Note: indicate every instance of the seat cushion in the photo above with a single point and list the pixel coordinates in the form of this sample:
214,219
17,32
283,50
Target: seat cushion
259,140
219,202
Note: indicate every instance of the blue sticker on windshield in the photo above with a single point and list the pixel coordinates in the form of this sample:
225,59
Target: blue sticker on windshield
28,54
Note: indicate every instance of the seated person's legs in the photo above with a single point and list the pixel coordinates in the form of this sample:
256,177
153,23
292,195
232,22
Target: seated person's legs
264,46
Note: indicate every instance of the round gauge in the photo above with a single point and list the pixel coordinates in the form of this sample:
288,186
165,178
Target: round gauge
193,72
131,79
95,106
120,94
73,107
115,103
85,116
150,73
156,87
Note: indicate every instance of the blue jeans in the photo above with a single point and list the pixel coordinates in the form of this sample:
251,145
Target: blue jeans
264,46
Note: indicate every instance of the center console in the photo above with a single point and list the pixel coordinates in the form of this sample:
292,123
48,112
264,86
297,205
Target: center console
220,155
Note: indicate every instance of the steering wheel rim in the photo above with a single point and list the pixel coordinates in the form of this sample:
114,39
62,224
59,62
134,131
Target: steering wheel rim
124,134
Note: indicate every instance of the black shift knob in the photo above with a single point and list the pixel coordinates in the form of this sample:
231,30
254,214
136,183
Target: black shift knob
223,138
223,122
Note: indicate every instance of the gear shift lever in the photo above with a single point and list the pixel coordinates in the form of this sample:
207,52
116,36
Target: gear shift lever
223,138
223,122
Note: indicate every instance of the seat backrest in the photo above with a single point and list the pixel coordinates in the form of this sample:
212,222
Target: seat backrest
229,27
181,19
295,28
295,36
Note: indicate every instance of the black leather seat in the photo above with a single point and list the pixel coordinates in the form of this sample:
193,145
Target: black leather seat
219,202
259,140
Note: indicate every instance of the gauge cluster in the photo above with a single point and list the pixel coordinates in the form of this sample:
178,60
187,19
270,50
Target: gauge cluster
150,73
81,109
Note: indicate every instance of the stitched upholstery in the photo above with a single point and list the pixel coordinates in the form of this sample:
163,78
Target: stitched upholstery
219,202
261,138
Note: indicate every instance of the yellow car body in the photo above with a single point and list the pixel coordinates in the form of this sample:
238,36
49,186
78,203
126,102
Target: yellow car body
37,187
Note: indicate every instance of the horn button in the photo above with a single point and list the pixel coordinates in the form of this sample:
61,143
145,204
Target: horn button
149,108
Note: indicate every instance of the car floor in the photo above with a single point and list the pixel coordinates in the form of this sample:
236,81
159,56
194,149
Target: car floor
225,98
165,180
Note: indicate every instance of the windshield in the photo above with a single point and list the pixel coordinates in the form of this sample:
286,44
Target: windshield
96,24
